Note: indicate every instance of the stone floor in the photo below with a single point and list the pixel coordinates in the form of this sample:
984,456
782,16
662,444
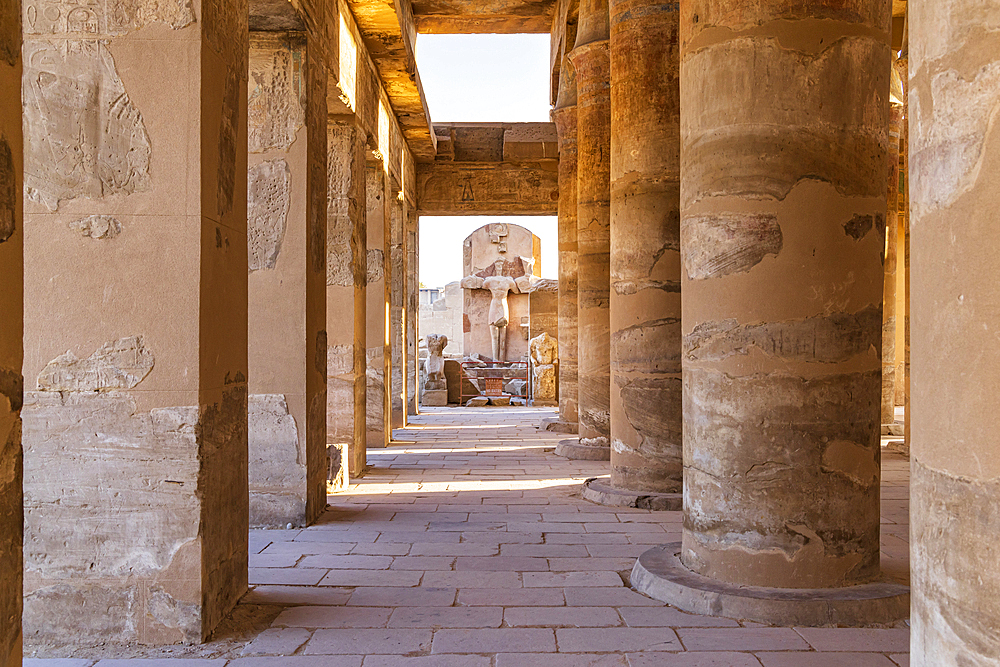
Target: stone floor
467,545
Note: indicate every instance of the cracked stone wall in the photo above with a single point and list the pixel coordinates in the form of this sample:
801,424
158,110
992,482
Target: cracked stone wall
135,427
645,298
346,293
378,354
11,339
286,235
782,282
954,151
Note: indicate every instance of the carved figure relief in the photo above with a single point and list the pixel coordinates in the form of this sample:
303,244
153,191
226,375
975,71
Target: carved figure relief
276,97
268,199
97,226
499,284
84,137
118,364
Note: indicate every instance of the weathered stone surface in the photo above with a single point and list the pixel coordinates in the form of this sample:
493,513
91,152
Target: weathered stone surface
97,226
492,16
119,364
70,538
782,289
952,301
85,138
479,188
436,379
118,17
9,192
564,116
376,265
268,199
718,245
277,468
276,106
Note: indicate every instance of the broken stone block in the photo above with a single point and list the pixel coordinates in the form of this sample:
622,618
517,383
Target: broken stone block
477,402
500,400
434,397
517,387
118,364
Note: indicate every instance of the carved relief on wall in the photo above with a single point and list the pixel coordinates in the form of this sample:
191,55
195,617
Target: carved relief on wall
102,17
269,195
276,99
84,137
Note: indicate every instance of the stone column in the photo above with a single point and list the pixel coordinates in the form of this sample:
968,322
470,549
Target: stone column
135,430
782,205
11,314
396,284
646,422
591,62
564,116
286,233
955,217
378,432
346,299
888,412
412,308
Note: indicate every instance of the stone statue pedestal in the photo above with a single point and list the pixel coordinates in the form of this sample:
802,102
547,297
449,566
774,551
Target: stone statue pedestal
434,398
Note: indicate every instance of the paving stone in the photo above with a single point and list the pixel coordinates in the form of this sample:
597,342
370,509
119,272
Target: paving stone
297,595
56,662
381,578
839,659
741,639
568,579
584,640
471,579
278,641
559,660
427,661
287,577
300,661
707,659
161,662
422,563
351,562
889,640
402,597
656,617
606,596
511,597
367,642
333,617
532,640
552,617
447,617
273,560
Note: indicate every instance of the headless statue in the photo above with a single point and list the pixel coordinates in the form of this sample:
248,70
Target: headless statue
499,315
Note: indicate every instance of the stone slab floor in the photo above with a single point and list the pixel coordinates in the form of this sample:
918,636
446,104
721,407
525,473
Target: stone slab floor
467,545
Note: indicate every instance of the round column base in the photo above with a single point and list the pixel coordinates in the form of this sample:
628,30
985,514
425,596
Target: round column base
599,490
557,425
572,449
660,574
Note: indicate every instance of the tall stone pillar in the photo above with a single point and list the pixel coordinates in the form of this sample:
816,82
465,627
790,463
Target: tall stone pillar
412,308
782,205
396,284
378,354
286,233
888,411
646,422
11,314
564,116
135,428
955,216
593,113
346,297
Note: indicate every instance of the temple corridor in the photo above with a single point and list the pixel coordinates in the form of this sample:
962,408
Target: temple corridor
467,545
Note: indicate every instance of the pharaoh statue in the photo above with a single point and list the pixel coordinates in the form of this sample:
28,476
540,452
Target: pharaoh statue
435,362
499,286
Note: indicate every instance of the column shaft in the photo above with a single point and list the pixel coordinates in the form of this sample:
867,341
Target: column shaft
783,129
377,313
135,431
646,422
396,282
566,127
11,314
890,266
955,488
346,293
591,61
412,308
286,254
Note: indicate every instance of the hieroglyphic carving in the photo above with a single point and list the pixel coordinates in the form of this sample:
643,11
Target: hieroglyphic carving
84,137
276,95
228,133
8,191
268,198
102,17
118,364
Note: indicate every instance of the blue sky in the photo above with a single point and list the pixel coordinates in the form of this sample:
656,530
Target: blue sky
482,78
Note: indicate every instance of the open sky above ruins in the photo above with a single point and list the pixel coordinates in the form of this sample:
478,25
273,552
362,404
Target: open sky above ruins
482,78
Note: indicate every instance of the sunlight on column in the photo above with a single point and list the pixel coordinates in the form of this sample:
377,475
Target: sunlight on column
348,64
